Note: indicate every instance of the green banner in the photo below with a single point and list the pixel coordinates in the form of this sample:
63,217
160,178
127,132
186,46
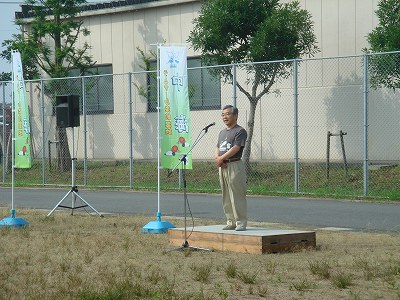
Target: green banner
175,131
22,136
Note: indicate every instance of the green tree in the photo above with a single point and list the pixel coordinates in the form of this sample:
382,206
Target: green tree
241,31
48,46
148,90
5,76
28,51
48,40
385,69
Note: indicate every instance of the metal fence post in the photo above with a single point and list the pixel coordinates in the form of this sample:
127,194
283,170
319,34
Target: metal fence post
130,132
84,112
296,125
43,132
365,92
234,95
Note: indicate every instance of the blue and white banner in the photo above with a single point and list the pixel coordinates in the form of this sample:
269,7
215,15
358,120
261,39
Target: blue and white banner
174,107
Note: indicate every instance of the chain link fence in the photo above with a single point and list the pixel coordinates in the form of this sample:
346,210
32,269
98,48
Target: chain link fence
326,126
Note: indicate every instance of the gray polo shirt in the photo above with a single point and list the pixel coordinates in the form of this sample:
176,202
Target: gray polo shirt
229,137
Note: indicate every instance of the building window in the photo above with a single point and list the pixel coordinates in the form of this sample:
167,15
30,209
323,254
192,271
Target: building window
204,87
98,88
151,82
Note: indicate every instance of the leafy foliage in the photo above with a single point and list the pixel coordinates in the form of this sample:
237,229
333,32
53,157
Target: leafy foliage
386,36
385,69
226,33
5,76
241,31
48,44
148,90
48,41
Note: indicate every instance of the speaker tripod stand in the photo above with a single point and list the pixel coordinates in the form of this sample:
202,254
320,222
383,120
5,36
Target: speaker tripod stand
74,190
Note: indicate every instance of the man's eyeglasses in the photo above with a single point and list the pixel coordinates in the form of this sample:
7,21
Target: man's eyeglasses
226,114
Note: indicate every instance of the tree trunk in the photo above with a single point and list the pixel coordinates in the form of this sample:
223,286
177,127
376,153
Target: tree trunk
250,127
64,155
253,99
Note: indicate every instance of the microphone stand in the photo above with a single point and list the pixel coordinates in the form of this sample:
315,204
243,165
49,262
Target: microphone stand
183,160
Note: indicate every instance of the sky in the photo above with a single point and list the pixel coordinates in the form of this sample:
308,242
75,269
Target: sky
7,26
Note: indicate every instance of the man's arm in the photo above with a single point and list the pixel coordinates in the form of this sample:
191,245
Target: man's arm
217,161
231,152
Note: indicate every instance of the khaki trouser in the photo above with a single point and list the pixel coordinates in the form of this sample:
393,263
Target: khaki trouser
233,185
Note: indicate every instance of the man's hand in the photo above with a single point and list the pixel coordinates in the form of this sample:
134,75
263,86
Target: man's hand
220,162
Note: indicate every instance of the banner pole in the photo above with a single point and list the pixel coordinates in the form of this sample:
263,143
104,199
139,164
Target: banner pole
13,221
12,138
158,226
158,132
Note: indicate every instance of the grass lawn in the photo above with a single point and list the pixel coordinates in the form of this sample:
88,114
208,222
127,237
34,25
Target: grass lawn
263,179
88,257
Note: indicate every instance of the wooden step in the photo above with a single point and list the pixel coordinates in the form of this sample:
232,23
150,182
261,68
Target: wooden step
255,240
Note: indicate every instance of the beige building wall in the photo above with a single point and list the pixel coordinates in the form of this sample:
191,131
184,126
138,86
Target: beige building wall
117,32
341,27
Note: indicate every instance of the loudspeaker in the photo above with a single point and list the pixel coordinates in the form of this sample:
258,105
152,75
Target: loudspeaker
67,111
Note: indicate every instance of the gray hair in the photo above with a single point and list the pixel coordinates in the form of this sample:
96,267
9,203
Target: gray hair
235,111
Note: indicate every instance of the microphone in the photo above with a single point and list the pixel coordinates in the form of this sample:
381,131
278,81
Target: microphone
208,126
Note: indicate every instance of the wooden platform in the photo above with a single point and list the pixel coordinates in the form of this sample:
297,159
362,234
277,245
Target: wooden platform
256,240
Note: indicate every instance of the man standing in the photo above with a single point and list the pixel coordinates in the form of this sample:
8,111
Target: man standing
232,172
